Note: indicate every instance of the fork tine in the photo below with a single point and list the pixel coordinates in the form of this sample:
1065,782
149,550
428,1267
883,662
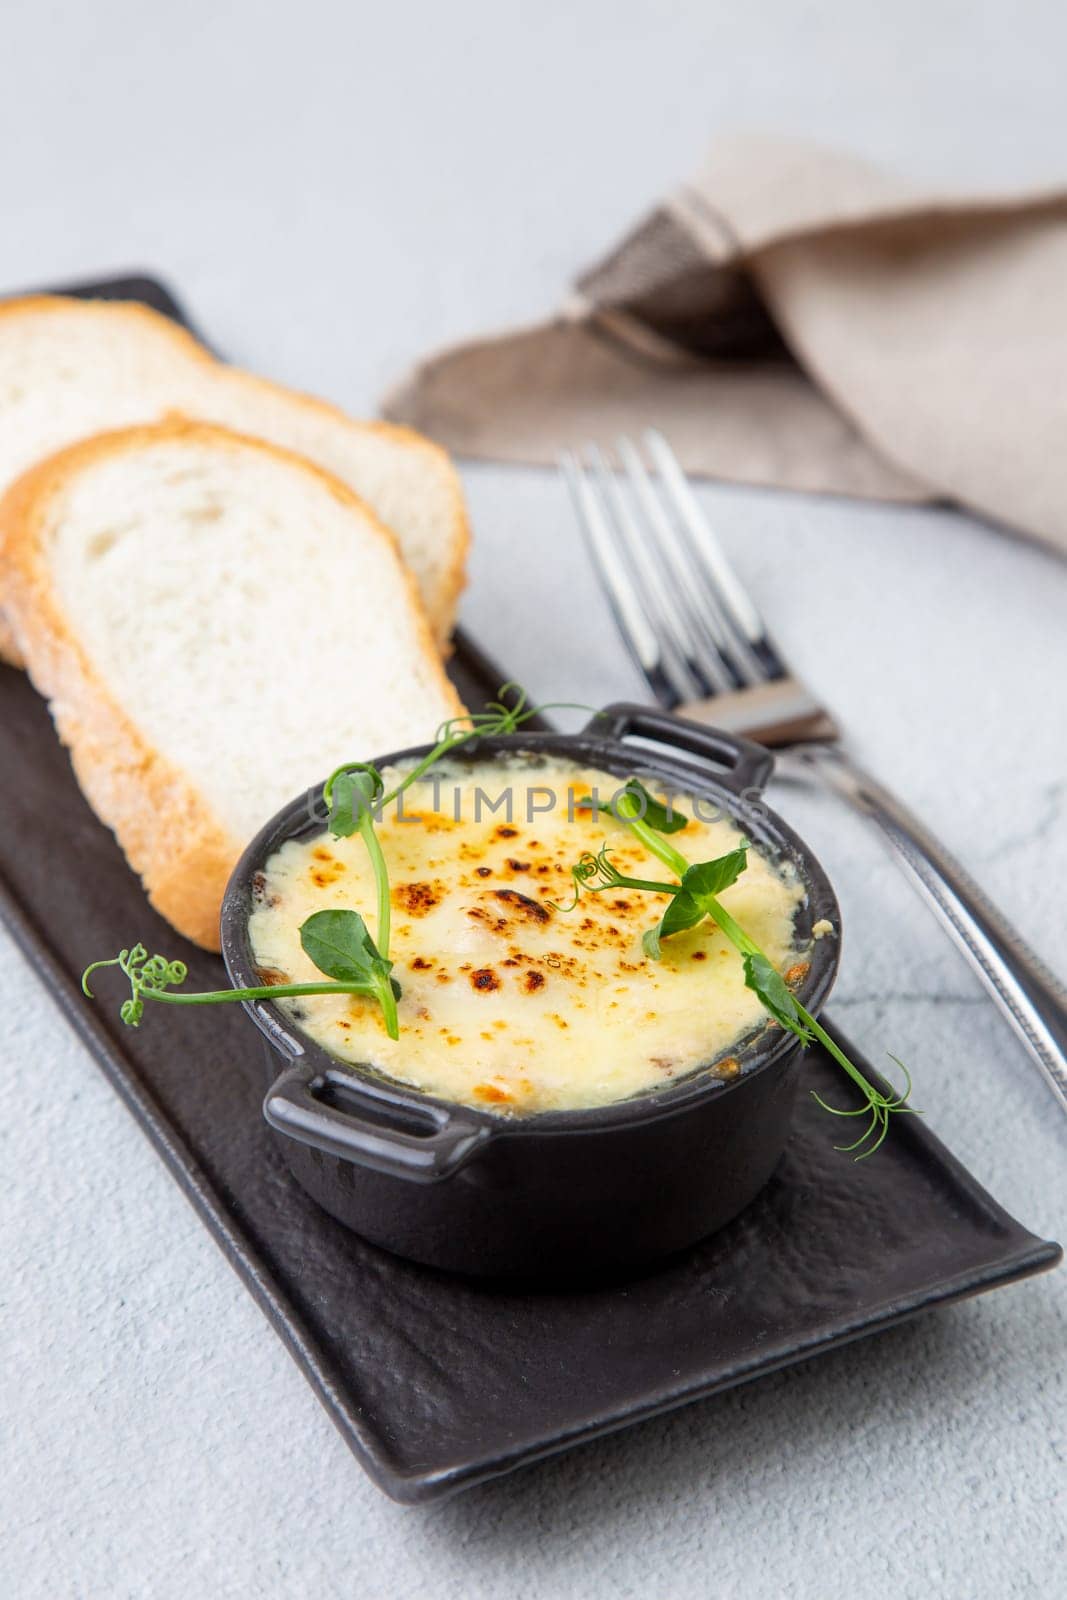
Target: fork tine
736,605
631,618
659,605
709,638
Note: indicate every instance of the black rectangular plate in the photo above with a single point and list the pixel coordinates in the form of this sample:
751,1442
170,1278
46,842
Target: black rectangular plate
437,1383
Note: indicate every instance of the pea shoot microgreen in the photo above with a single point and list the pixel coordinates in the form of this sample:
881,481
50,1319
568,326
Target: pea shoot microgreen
337,941
151,977
694,894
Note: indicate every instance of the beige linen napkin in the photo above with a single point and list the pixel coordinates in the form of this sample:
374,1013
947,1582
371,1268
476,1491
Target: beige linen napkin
798,318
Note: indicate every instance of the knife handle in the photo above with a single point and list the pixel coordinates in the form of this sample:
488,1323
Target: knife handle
1030,996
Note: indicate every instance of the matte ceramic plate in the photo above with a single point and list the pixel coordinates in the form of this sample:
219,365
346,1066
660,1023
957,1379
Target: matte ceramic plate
437,1383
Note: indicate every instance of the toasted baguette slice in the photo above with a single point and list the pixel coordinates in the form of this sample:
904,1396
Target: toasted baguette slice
217,624
71,368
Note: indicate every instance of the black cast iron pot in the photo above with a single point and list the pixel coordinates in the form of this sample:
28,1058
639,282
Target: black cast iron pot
562,1194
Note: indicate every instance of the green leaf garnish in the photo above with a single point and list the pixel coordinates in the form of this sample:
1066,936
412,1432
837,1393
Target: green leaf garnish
696,896
767,983
708,878
350,795
683,912
340,945
662,817
700,884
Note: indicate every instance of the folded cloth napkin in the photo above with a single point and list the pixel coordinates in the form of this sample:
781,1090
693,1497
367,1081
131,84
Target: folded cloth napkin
798,318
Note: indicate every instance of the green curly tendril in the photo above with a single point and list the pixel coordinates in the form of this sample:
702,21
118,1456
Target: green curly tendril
147,974
151,977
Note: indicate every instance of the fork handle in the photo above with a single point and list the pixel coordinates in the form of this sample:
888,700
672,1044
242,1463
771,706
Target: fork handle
1031,997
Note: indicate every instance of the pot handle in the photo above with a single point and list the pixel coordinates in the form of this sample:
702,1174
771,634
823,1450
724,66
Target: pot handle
370,1133
747,766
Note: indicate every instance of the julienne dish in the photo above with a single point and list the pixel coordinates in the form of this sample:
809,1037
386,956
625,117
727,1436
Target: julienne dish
519,996
555,1102
401,1079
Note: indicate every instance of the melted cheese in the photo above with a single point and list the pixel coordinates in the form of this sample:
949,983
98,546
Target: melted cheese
509,1003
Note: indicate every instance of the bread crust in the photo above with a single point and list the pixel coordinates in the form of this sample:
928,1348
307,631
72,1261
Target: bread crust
442,609
168,832
9,650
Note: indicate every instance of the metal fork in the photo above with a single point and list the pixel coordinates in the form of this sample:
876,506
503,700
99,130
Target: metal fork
700,642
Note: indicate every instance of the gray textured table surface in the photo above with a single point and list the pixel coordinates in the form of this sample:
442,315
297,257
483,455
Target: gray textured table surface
334,189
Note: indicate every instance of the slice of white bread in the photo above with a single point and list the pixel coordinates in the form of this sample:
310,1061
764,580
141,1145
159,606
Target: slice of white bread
217,624
70,368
